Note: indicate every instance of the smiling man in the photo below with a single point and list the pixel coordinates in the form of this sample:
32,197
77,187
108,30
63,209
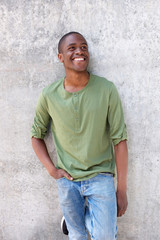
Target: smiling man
90,136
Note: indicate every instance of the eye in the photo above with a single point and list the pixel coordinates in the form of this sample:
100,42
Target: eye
71,48
84,47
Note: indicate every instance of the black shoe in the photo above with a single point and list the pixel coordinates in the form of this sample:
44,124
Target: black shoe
64,226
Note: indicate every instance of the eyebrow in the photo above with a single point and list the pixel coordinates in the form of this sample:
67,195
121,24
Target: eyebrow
84,43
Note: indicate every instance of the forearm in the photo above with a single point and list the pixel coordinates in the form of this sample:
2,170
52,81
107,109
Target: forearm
41,151
121,157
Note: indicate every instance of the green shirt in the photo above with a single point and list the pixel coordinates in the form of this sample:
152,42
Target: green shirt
84,124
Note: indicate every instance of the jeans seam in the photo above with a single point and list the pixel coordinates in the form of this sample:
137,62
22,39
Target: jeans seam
91,217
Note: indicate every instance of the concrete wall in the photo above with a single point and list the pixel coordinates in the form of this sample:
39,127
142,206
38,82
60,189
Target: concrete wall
124,42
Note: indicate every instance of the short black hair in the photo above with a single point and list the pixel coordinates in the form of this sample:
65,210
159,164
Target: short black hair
63,38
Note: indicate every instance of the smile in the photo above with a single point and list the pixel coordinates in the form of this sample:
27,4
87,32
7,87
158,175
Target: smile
79,59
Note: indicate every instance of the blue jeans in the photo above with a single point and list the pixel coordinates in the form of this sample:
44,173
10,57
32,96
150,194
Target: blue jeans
98,216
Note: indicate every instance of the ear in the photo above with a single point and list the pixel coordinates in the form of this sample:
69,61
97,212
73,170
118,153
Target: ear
60,57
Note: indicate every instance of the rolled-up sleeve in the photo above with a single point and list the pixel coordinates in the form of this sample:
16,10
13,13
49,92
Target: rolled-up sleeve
41,119
116,122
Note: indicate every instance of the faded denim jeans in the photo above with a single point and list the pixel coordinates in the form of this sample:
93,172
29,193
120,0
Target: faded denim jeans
98,216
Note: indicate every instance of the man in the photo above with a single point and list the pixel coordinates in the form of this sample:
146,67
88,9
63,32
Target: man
86,122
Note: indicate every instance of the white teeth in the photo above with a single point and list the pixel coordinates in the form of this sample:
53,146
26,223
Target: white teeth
78,59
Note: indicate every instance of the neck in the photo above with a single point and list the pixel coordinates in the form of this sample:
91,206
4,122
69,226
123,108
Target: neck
75,79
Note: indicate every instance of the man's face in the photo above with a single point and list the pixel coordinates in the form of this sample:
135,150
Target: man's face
74,53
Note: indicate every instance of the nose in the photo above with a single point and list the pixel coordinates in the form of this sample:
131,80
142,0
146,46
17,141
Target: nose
78,50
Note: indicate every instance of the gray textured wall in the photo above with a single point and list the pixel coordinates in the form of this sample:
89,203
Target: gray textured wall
124,41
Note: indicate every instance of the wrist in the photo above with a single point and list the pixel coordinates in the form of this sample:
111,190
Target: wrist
52,171
122,187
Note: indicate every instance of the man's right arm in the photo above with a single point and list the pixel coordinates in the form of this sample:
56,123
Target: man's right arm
41,151
39,130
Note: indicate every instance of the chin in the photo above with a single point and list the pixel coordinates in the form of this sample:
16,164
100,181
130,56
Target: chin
80,69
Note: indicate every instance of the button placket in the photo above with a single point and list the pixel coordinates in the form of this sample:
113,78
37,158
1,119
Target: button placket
76,115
